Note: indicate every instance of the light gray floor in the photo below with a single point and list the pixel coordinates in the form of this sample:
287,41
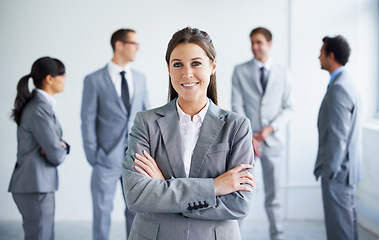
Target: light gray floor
251,230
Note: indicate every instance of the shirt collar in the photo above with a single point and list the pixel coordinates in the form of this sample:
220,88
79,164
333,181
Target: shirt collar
52,101
335,73
113,67
198,118
267,65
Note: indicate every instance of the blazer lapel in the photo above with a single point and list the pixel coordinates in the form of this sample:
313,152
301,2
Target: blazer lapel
255,82
209,130
109,85
272,77
169,127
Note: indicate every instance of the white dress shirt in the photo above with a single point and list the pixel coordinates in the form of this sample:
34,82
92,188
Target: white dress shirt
48,97
114,71
189,133
267,68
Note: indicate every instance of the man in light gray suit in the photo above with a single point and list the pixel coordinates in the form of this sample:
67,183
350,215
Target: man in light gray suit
261,90
111,98
339,154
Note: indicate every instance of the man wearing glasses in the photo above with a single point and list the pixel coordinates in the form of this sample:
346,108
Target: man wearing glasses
112,96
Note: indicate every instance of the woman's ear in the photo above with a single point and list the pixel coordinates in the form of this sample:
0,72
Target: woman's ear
168,68
214,63
48,80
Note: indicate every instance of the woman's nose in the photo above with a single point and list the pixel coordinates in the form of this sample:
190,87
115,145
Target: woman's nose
187,73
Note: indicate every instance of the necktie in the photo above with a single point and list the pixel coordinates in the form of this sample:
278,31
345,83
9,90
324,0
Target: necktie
125,91
263,79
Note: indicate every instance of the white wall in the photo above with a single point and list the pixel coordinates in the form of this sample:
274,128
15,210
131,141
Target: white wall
78,32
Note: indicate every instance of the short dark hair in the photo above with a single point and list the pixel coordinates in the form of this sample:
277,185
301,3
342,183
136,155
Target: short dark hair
203,40
262,30
339,47
120,35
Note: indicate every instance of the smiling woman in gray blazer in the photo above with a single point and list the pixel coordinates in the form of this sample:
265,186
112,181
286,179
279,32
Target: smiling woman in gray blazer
186,171
40,148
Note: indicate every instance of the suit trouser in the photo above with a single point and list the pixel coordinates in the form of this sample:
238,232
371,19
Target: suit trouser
103,187
37,210
339,210
271,167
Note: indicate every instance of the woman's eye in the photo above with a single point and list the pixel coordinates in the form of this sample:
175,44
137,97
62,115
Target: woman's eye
196,63
176,65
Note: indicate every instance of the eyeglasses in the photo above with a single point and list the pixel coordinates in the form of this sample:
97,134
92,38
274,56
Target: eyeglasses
134,43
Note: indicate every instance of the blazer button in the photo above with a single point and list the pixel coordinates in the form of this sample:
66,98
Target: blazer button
195,206
200,205
189,207
206,204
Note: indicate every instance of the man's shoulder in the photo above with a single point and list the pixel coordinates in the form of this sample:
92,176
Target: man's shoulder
96,73
244,65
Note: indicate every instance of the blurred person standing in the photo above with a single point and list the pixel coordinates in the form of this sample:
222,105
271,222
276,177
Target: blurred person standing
262,91
40,148
112,96
339,152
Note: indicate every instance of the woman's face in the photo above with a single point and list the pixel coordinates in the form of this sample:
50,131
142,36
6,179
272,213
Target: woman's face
57,84
190,70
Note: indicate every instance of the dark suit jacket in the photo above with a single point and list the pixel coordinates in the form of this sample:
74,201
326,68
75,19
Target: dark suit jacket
224,142
39,129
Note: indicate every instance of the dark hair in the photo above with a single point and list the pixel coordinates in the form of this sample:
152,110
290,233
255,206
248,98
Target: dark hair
202,39
262,30
339,47
41,68
120,35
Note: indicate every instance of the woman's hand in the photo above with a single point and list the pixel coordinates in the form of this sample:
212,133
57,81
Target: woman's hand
234,180
147,166
63,144
257,148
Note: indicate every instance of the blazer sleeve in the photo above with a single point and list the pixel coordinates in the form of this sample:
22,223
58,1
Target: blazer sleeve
88,115
340,109
173,195
286,112
44,129
237,98
234,205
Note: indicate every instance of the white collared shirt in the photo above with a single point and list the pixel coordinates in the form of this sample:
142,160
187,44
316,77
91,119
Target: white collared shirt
114,71
48,97
189,133
267,68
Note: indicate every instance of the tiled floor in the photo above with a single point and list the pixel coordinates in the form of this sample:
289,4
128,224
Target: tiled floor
251,230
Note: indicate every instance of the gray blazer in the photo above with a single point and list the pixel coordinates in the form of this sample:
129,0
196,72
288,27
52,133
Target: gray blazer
339,151
105,120
274,107
38,129
181,207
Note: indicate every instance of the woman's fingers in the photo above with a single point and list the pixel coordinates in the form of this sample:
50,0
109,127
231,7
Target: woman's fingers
138,169
247,181
148,165
234,180
150,158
